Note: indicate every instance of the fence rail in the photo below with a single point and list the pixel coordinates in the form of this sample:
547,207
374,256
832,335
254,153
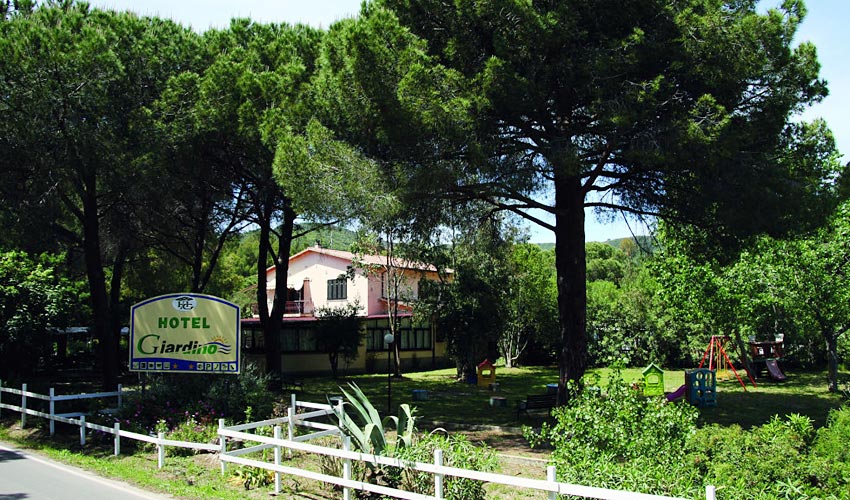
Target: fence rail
550,485
67,418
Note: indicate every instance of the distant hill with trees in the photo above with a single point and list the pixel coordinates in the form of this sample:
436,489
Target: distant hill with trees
647,244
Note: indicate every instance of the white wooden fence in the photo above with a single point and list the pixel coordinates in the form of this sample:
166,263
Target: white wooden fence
80,420
292,420
277,443
348,483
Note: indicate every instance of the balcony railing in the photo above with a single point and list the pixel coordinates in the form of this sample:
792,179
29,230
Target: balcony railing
303,307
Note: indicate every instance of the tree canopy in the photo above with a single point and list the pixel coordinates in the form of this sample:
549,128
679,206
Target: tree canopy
137,143
73,82
680,110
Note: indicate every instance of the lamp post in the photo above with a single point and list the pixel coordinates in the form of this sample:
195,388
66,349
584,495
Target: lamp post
388,339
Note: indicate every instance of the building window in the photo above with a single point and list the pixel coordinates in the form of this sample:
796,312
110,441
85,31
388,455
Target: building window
338,289
252,339
299,340
415,339
410,338
375,339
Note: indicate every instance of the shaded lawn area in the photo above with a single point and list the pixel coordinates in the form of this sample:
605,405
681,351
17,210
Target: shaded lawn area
802,392
451,402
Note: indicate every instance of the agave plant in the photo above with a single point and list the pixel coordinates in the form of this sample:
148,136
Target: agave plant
366,428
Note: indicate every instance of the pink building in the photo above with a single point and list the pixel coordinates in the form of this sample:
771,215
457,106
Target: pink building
324,278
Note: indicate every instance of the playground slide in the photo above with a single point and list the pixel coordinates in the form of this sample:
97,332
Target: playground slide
774,371
678,393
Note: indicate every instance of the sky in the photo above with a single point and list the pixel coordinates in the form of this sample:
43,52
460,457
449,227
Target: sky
826,25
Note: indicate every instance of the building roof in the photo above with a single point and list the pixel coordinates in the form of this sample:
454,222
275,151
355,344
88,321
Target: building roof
369,260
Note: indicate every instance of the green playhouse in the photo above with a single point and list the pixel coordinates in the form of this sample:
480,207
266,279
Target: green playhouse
653,380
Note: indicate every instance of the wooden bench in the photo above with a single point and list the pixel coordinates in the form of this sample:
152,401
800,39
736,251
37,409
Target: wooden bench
536,402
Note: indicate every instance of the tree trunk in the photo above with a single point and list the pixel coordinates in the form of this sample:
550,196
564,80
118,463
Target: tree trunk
107,348
571,269
333,358
272,320
508,348
116,316
743,353
832,360
198,240
394,276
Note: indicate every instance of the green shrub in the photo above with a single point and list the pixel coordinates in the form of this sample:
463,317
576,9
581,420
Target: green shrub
620,423
33,297
176,397
784,459
192,431
749,463
459,452
830,464
620,439
251,477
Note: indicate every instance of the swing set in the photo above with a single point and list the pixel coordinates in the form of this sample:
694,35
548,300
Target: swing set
719,361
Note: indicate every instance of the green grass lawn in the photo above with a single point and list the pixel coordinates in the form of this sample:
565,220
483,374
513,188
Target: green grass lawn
460,403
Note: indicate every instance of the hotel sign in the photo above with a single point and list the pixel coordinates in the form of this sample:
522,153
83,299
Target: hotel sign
185,332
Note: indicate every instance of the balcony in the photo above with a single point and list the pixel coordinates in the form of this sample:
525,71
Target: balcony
298,308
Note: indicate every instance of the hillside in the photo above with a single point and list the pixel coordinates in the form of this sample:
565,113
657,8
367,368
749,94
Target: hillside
328,237
646,243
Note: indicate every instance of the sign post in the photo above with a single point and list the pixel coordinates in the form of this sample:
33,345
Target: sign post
187,332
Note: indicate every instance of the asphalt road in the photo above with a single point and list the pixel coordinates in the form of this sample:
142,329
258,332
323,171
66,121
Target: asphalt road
24,476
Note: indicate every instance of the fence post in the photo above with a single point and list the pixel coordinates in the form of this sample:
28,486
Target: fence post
82,430
290,433
438,478
346,467
552,477
710,493
290,413
222,440
1,395
340,411
117,428
52,422
119,396
277,485
160,449
23,405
